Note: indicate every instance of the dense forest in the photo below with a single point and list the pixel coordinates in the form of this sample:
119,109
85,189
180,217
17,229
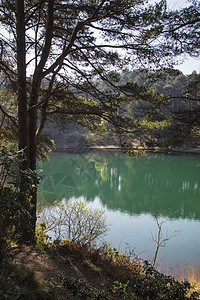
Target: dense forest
167,99
166,105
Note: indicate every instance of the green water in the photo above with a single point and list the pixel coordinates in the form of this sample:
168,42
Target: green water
132,190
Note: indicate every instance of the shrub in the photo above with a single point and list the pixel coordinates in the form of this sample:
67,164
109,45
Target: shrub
14,205
42,238
75,221
154,285
10,215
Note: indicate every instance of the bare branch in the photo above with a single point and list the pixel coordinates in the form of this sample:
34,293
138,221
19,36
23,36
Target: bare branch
159,240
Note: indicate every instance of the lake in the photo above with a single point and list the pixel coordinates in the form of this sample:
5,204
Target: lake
133,190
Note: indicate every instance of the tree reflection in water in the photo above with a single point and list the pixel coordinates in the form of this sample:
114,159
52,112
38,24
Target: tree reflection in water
153,184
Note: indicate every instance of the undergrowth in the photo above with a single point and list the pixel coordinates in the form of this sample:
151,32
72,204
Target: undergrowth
127,279
17,283
118,278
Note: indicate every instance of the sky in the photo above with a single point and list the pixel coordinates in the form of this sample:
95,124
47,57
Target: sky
190,64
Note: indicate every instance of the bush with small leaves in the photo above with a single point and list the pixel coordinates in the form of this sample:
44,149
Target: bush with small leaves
154,285
74,220
42,239
15,206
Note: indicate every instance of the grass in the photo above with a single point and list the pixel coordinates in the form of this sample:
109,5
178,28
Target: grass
68,260
191,273
91,266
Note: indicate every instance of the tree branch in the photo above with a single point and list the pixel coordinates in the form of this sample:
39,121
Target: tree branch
11,118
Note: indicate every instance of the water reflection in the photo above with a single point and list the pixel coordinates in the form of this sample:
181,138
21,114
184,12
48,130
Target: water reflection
153,184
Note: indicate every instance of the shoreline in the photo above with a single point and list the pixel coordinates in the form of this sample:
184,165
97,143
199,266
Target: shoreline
84,149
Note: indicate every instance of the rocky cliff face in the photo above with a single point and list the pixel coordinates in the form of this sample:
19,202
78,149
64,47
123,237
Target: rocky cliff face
74,137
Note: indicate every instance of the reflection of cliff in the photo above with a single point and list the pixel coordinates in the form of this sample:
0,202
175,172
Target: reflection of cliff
161,184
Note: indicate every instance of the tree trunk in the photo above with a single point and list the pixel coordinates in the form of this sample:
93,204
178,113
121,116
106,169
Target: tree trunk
21,70
28,119
28,227
32,123
32,146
